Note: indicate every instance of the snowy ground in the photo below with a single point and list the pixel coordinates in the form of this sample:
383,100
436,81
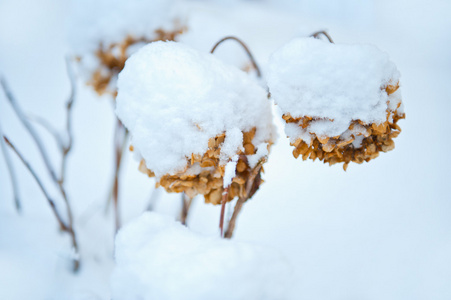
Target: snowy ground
379,231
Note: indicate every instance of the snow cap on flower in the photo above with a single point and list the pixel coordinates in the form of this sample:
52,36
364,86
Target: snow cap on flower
341,102
189,115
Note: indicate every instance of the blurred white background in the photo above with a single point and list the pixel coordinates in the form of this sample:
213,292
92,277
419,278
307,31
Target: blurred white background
381,230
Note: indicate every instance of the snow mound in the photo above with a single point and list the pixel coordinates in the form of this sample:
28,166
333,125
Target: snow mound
332,83
173,99
158,258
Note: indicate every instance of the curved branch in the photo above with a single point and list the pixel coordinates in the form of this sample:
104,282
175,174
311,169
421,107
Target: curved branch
50,129
251,57
322,32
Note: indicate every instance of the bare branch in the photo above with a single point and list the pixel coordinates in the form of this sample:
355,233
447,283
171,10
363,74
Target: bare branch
66,149
29,127
12,172
63,226
249,54
322,32
252,185
50,129
120,143
232,223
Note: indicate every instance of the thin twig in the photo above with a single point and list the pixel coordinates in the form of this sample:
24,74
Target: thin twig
63,225
12,172
225,195
251,181
249,53
66,149
120,137
117,164
50,129
232,223
322,32
254,178
186,205
29,127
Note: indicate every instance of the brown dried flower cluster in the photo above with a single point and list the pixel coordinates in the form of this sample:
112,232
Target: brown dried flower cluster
376,138
112,58
209,182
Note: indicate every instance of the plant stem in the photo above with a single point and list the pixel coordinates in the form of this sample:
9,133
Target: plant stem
225,195
186,205
232,223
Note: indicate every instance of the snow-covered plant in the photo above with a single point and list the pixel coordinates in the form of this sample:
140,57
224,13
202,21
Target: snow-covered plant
106,32
104,35
341,103
200,126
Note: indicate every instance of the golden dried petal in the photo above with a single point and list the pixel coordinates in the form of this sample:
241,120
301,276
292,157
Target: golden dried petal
249,149
388,145
329,147
390,89
207,162
323,140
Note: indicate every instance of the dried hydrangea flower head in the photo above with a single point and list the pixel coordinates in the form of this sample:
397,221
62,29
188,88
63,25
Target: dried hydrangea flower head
106,32
341,103
197,124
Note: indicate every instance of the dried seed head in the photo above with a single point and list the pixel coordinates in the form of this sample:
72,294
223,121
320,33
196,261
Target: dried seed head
112,58
361,142
204,174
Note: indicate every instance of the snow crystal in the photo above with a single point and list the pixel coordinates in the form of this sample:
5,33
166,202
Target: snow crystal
173,99
333,83
158,258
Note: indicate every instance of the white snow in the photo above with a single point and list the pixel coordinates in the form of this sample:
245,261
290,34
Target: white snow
262,152
230,171
173,99
334,83
158,258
